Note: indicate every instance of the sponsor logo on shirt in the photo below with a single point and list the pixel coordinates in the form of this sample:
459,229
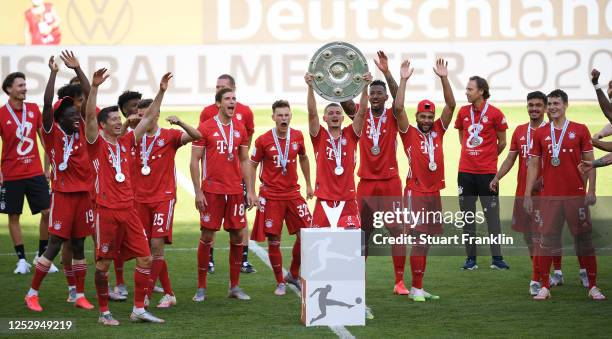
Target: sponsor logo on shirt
215,134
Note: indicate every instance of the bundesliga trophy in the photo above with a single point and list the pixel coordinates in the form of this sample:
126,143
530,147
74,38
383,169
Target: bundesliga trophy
333,269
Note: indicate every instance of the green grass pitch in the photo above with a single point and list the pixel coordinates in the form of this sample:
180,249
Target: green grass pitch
483,303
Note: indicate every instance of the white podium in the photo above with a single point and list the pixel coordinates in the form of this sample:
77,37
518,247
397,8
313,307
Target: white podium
333,277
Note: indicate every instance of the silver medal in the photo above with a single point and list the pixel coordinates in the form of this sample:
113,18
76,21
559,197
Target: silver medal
475,142
555,161
120,177
375,150
230,157
145,170
432,166
62,166
339,170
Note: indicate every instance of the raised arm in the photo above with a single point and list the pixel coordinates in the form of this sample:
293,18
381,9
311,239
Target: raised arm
359,119
441,70
47,113
398,103
313,116
152,112
73,63
604,103
349,108
305,167
383,65
91,120
191,133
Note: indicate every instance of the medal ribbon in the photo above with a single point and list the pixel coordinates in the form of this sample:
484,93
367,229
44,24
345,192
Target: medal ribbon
476,128
283,157
145,153
230,144
556,146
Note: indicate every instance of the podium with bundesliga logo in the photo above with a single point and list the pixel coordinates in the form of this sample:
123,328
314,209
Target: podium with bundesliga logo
333,277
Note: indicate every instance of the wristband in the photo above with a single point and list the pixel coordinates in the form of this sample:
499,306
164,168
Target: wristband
597,86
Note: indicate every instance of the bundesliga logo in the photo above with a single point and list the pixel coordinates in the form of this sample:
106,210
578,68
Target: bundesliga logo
31,114
434,134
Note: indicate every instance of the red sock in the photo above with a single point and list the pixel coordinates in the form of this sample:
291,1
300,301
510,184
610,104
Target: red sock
156,267
142,282
417,267
545,262
535,268
276,260
39,274
69,273
101,279
581,262
118,263
235,261
557,262
399,261
590,263
164,278
80,271
296,259
203,259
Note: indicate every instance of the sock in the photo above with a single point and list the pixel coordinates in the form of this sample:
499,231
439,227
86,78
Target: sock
235,260
399,261
156,268
20,250
417,268
212,257
118,263
203,258
557,262
70,277
39,274
545,262
581,261
142,282
245,253
296,259
164,278
42,246
80,271
276,260
101,279
590,263
535,268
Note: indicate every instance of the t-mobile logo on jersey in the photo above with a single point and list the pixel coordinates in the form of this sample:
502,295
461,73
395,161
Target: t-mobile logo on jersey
221,147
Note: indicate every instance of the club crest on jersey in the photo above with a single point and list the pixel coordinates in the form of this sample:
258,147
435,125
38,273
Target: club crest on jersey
104,248
161,143
262,201
343,142
485,119
239,116
572,135
57,225
206,217
236,134
434,134
31,114
269,223
123,149
295,146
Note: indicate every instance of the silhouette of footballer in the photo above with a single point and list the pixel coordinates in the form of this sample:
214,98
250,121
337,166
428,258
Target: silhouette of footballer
324,302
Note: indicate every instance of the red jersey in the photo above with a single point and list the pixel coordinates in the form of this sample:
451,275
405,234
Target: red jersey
274,184
420,178
384,165
242,115
328,185
39,26
519,144
20,159
78,175
222,175
160,183
565,179
480,159
109,192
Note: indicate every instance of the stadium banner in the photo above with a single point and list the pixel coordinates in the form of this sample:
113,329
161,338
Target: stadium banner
566,224
267,72
332,277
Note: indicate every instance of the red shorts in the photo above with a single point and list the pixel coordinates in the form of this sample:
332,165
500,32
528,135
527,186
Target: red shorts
71,215
521,220
349,217
270,216
553,213
378,196
429,204
228,209
120,231
157,218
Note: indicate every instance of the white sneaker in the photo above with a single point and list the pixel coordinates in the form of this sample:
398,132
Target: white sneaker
167,301
146,301
23,267
158,289
595,294
237,293
543,294
281,289
534,288
584,279
145,317
556,279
